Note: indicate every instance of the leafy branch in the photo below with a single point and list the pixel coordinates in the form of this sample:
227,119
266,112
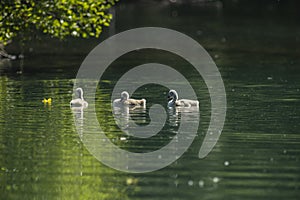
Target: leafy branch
57,18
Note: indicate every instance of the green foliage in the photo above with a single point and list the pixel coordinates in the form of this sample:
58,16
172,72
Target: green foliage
58,18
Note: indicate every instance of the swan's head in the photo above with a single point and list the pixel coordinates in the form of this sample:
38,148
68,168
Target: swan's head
79,92
124,95
172,95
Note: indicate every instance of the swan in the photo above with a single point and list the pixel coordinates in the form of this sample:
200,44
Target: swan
125,100
174,101
79,102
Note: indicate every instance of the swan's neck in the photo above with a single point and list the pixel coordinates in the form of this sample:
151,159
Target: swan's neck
80,95
175,98
172,102
124,98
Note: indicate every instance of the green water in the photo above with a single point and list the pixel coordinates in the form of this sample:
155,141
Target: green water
256,157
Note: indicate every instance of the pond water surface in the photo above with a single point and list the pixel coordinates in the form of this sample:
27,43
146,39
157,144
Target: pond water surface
256,157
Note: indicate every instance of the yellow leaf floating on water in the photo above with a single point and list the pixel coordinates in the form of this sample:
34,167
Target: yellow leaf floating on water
47,101
131,181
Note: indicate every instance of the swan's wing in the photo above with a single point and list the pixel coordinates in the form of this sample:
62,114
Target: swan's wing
136,102
76,103
189,103
117,103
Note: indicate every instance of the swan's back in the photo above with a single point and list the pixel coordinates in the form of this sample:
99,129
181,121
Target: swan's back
187,103
78,103
136,102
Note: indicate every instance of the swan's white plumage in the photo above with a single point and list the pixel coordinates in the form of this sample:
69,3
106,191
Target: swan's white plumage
174,101
125,100
79,102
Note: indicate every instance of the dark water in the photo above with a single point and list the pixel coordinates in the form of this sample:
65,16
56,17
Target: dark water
256,157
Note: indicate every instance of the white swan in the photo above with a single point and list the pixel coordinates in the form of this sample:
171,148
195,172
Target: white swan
79,102
125,100
174,101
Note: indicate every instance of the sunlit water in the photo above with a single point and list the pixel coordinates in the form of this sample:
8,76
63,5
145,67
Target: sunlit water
257,156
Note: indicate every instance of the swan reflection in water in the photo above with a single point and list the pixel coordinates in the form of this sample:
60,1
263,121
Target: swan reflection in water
127,117
124,115
78,114
176,113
